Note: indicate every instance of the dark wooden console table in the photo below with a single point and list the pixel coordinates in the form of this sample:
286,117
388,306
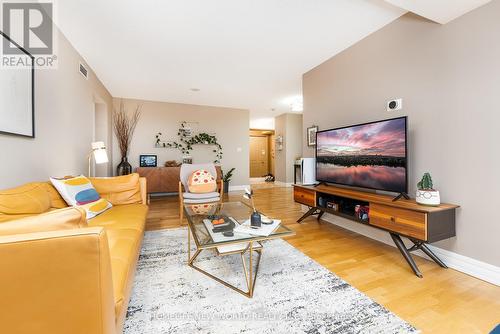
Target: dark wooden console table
420,224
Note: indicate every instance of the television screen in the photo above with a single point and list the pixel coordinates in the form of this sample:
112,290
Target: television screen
371,155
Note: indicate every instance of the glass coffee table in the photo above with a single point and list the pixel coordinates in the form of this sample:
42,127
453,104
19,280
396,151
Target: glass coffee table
239,243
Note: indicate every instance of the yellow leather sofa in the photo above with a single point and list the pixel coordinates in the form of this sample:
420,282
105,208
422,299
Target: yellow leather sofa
62,274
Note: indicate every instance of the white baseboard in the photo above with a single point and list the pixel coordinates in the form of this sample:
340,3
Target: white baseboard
464,264
238,188
482,270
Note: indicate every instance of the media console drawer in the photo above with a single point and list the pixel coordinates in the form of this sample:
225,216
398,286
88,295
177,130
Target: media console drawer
406,222
304,196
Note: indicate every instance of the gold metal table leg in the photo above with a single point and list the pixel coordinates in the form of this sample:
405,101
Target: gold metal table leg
250,279
250,286
189,243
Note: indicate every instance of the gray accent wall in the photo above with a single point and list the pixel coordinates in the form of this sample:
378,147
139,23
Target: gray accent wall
449,79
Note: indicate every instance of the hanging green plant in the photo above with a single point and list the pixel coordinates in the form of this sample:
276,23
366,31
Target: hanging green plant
187,142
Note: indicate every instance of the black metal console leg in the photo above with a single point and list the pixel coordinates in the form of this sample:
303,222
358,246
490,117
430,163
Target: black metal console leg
433,256
307,214
406,254
321,214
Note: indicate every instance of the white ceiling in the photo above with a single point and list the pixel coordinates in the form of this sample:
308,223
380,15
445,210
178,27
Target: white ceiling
240,53
441,11
247,54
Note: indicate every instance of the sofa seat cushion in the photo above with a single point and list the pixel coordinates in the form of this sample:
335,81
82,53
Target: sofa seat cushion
124,246
130,216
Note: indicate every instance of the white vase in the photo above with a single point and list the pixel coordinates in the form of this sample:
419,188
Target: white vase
428,197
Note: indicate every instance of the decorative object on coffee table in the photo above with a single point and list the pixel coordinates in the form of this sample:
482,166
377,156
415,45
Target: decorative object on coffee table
124,126
226,177
426,194
255,219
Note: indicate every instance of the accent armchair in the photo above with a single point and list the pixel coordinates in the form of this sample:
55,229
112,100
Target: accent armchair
186,197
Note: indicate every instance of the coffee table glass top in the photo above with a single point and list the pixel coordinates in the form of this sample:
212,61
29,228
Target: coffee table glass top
196,213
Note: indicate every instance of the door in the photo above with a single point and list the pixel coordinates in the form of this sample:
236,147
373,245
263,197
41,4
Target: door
259,156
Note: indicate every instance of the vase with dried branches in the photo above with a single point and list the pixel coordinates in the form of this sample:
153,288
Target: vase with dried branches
124,126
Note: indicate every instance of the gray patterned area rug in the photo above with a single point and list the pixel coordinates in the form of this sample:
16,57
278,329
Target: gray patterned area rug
293,294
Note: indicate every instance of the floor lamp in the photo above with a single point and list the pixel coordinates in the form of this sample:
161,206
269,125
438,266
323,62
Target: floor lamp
99,154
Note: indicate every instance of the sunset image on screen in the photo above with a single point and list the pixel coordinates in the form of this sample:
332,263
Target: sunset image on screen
371,155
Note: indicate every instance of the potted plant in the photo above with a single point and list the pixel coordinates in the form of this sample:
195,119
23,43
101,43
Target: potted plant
227,178
124,126
426,194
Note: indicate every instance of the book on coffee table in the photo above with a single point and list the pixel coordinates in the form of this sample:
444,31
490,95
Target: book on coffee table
218,236
263,231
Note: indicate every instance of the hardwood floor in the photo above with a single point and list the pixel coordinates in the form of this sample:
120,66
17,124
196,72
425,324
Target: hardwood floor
444,301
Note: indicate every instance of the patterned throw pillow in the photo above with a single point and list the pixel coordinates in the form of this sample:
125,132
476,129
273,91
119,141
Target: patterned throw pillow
201,181
79,192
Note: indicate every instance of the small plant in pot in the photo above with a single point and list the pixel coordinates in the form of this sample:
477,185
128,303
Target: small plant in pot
426,194
227,178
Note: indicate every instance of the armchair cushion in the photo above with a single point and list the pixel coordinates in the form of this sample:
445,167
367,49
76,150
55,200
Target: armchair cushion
200,196
201,200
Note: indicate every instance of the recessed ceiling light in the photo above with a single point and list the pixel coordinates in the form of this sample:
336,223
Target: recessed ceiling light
195,89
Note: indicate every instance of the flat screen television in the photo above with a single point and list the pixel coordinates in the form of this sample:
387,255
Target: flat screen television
370,155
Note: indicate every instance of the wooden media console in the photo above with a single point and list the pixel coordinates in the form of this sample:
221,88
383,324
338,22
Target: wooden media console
420,224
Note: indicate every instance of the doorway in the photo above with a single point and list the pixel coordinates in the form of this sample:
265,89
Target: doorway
261,153
101,133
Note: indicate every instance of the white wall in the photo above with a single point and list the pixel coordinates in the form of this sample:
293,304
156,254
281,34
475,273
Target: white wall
289,126
64,121
230,126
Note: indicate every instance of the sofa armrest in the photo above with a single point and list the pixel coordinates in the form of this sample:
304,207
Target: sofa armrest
144,190
56,282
